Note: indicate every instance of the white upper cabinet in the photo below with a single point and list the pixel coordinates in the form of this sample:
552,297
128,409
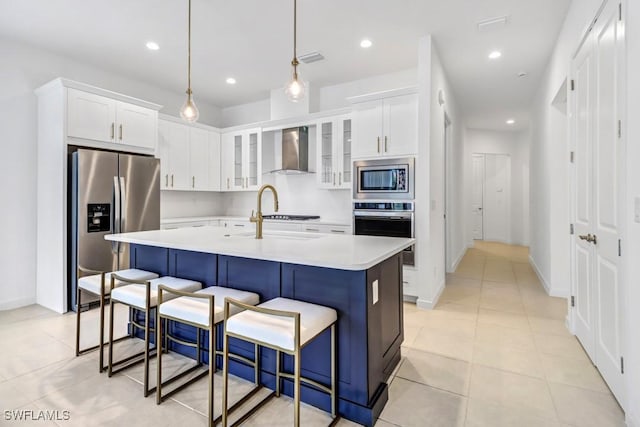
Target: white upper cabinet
386,127
241,160
99,118
334,152
189,157
199,159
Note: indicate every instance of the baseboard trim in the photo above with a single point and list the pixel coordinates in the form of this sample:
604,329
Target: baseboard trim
547,286
16,303
454,267
431,304
632,420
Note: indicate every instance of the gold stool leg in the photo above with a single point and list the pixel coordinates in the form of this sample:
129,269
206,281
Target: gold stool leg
111,304
159,356
212,369
78,293
334,378
147,338
296,388
101,344
277,373
225,378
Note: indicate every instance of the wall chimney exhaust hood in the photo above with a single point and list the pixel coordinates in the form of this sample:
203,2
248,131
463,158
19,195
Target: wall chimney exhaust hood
295,151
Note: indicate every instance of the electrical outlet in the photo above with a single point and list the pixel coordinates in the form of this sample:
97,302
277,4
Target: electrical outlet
374,289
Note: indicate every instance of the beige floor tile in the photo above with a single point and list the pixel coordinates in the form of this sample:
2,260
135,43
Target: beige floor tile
10,397
556,345
498,264
586,408
433,341
456,311
544,306
383,423
573,372
418,318
436,371
413,404
501,318
469,272
546,326
461,294
504,337
37,355
497,275
528,395
410,334
508,359
481,413
451,326
454,279
502,300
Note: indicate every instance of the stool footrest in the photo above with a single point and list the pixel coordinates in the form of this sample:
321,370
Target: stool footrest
309,381
253,410
185,384
140,355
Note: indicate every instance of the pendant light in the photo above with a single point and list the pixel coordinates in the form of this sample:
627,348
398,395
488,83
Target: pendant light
295,89
189,111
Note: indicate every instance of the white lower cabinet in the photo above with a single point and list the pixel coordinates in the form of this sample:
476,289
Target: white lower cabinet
186,224
409,285
235,224
280,226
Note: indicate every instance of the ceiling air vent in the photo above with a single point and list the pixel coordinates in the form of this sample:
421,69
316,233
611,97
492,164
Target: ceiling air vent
310,57
492,23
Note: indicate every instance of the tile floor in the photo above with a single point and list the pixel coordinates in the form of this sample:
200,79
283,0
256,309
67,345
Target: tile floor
494,352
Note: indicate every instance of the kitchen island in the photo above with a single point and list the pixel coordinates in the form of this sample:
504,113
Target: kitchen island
359,276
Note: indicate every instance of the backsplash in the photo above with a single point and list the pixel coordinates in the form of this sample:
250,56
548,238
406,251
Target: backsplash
297,194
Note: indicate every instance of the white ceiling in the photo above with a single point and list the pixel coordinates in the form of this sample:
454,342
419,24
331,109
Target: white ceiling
251,41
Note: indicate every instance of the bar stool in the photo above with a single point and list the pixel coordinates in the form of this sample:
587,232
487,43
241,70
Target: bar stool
203,309
96,283
286,326
141,295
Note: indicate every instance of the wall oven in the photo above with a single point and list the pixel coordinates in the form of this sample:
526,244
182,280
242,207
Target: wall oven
383,179
391,219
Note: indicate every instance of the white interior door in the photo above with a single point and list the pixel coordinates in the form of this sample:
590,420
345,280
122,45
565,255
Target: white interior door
598,291
609,293
477,198
496,197
583,224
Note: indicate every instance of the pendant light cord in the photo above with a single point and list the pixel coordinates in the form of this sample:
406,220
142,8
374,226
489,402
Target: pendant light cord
189,53
294,61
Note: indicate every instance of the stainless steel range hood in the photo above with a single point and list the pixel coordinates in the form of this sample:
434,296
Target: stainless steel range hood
295,151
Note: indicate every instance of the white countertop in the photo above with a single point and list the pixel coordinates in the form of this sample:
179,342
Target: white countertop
320,221
343,252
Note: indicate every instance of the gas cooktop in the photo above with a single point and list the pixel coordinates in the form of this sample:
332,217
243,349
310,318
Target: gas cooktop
291,217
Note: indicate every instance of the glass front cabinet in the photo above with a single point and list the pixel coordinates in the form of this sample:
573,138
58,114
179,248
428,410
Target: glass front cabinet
334,152
240,166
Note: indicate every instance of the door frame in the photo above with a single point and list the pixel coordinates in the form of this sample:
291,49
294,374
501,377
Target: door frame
484,195
448,257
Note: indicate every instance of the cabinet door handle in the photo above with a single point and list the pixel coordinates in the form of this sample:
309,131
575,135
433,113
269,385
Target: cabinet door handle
228,185
339,178
378,144
246,182
334,178
238,225
312,229
113,130
385,144
166,180
120,132
337,231
171,180
193,182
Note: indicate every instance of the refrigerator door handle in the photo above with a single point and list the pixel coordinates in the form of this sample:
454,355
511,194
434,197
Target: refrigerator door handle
123,204
115,246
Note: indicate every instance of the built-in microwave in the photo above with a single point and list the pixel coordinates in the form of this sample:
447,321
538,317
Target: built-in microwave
383,179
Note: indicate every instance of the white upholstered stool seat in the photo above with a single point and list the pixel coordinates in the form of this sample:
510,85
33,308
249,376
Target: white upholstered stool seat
280,331
93,283
203,309
196,310
286,326
135,295
143,295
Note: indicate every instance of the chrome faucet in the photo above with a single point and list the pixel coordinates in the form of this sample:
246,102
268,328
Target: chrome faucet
257,217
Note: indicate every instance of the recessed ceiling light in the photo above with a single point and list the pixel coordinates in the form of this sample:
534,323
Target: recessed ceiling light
152,46
495,54
231,81
511,121
366,43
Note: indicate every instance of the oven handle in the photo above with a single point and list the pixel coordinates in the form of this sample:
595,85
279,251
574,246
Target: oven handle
378,215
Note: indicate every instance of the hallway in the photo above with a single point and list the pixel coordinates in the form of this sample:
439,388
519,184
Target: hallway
495,352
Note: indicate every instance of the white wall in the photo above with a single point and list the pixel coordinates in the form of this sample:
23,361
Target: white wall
22,70
246,113
430,257
516,145
178,204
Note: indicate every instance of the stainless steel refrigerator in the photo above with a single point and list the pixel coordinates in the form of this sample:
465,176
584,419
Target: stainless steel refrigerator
109,193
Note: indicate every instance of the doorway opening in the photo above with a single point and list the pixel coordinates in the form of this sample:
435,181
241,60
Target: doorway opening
491,197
